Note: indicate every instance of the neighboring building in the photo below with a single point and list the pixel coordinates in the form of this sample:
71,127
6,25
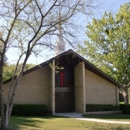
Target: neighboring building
66,83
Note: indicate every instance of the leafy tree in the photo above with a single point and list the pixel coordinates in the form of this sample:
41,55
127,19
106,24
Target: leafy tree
9,70
108,46
30,25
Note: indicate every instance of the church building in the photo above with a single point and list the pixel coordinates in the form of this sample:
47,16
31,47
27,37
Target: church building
65,83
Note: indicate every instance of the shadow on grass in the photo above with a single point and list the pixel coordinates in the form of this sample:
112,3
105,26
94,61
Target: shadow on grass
109,116
60,123
19,121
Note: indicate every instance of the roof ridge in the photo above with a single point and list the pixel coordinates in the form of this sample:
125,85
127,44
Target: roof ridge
90,66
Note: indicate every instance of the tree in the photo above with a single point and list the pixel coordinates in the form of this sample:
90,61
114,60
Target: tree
108,46
26,25
9,70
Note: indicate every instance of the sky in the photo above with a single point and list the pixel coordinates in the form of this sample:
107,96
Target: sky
107,5
114,5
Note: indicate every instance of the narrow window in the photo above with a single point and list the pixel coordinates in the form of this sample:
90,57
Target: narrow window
62,79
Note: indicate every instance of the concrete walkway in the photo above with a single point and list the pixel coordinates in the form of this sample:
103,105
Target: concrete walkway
78,116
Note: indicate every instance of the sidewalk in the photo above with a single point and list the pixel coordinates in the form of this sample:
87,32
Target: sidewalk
78,116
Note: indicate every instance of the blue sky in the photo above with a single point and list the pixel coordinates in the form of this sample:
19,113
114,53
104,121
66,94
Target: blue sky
108,5
114,5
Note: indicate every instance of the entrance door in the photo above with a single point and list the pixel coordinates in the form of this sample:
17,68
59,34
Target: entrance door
64,91
63,101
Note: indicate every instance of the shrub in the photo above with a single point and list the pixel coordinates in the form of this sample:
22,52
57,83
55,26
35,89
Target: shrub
100,107
29,109
125,108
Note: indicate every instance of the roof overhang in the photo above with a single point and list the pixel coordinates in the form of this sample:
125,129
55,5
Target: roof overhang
74,58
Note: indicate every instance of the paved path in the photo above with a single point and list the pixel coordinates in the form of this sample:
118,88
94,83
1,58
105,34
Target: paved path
78,116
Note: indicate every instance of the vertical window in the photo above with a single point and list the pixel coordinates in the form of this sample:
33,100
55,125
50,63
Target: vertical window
62,79
65,77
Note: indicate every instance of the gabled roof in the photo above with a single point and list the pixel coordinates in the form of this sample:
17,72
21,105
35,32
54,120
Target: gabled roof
74,58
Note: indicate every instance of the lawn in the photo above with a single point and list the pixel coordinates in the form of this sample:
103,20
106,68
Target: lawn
61,123
115,117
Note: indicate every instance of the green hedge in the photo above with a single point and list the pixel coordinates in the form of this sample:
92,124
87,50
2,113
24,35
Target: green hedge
100,107
29,110
125,108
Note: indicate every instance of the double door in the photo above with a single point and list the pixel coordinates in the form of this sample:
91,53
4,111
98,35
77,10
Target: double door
63,102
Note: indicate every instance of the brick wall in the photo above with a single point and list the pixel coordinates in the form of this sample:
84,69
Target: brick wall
52,88
80,88
33,88
99,90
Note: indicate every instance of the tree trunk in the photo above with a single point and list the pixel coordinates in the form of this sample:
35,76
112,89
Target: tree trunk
11,96
5,112
126,97
2,107
5,125
4,119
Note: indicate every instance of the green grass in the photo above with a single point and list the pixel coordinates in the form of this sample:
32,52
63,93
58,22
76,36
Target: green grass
61,123
121,102
115,117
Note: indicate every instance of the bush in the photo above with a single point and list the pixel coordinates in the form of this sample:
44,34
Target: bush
125,108
29,109
100,107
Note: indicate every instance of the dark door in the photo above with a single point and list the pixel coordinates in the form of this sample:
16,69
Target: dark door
64,91
63,102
